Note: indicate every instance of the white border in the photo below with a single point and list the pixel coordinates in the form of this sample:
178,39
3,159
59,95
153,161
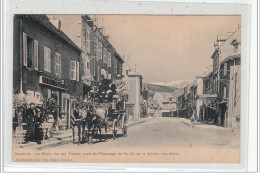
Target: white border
249,98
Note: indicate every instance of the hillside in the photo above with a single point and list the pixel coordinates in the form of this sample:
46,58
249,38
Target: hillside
174,84
159,88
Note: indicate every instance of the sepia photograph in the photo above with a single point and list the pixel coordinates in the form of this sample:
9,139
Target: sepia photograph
126,88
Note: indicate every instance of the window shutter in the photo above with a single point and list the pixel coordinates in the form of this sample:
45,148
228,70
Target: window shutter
77,71
225,93
35,53
55,65
109,60
74,70
24,49
45,59
225,68
49,93
60,65
70,72
49,60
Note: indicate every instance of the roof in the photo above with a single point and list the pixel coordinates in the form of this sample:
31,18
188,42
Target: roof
45,21
88,20
119,57
135,74
223,37
210,73
178,92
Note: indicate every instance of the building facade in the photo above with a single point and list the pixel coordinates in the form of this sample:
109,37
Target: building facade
101,58
226,72
134,88
46,63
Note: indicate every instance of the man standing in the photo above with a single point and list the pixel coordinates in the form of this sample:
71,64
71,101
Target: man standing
31,113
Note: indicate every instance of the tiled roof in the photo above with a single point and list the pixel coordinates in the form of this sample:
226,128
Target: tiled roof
44,20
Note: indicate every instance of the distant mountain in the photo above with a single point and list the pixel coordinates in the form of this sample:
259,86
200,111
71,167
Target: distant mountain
159,88
174,84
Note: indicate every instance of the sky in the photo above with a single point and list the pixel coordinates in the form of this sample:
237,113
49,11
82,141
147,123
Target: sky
167,48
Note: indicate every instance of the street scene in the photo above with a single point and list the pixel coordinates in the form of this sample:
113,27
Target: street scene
157,132
87,83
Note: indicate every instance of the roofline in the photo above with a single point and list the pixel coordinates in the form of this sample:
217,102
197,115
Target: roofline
237,56
75,47
119,57
134,75
217,49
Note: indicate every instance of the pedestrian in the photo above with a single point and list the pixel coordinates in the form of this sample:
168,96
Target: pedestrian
192,120
31,113
38,129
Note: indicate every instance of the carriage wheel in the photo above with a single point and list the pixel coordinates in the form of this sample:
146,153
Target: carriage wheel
124,127
115,127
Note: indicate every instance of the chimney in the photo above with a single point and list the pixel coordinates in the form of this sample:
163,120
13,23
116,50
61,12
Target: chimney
59,25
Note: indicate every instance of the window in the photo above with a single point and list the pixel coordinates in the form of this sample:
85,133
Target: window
104,73
37,95
115,66
105,56
49,93
77,71
85,69
225,93
225,68
88,64
126,86
109,76
47,59
88,41
57,65
30,52
99,51
73,72
235,47
64,104
109,59
35,53
235,89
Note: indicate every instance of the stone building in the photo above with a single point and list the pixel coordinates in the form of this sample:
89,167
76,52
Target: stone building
46,63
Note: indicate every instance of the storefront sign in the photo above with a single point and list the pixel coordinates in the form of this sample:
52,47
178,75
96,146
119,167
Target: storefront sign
53,83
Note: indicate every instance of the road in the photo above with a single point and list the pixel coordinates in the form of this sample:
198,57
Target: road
151,140
168,132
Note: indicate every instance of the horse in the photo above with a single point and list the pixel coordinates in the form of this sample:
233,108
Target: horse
95,120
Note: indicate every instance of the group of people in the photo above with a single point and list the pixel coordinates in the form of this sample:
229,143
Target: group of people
105,90
34,118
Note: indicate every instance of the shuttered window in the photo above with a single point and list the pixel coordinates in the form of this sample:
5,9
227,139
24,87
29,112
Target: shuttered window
105,55
225,93
35,54
99,52
109,59
77,71
225,68
24,49
73,72
47,59
57,66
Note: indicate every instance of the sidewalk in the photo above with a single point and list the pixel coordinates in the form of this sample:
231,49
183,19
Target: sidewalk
203,125
65,137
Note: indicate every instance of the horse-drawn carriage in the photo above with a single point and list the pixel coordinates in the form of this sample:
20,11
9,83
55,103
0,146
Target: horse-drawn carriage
102,110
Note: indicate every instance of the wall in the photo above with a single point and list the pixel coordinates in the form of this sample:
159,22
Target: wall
234,105
30,77
134,95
